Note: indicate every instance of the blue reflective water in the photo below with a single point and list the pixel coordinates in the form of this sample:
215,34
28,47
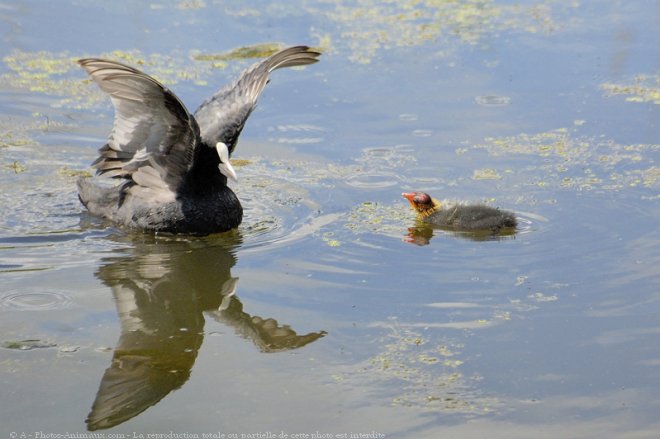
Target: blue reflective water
329,310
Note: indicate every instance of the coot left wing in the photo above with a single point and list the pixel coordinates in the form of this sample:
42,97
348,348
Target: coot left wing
154,137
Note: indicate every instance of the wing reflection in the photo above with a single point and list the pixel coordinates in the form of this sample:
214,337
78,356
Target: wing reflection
161,289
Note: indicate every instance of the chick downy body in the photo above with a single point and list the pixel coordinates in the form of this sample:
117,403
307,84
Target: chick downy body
460,217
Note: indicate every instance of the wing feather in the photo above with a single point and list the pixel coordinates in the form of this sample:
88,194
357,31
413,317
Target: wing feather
221,117
154,137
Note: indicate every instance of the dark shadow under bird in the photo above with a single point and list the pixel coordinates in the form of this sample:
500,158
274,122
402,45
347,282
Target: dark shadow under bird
164,169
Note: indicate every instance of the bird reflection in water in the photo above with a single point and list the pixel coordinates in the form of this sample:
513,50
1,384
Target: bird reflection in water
162,290
422,234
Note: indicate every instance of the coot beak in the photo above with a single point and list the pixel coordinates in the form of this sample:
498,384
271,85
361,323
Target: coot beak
228,171
227,291
225,166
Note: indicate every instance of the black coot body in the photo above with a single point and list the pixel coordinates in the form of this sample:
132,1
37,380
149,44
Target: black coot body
164,169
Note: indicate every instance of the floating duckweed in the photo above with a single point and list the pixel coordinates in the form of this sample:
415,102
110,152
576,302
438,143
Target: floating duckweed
422,379
486,174
26,345
52,72
17,167
17,133
427,359
191,4
651,176
239,163
325,43
338,378
9,138
41,72
445,351
370,25
327,238
371,217
67,172
452,363
645,88
245,52
551,143
575,162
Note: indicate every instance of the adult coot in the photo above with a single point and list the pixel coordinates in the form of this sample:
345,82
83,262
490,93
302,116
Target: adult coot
460,217
164,169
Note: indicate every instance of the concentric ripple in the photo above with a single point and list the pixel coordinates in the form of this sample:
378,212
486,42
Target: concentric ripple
373,180
35,301
268,234
278,207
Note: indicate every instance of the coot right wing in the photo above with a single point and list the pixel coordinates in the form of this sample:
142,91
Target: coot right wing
221,117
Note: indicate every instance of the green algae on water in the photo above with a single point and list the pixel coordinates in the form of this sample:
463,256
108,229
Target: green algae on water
245,52
370,25
574,161
420,374
26,345
644,89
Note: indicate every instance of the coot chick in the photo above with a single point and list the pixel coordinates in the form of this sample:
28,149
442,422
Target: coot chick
169,167
460,217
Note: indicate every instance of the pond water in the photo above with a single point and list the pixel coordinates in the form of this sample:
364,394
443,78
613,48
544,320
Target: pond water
329,312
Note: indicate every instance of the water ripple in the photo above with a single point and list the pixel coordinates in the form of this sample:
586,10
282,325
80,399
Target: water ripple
422,133
493,101
268,234
300,134
35,301
373,180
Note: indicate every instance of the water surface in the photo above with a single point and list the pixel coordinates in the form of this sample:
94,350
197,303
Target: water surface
329,310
